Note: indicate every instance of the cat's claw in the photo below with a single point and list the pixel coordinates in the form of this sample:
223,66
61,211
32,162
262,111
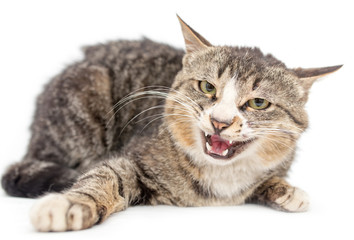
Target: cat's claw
56,213
294,201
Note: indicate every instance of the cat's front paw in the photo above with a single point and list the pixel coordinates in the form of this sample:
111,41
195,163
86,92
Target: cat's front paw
294,200
55,212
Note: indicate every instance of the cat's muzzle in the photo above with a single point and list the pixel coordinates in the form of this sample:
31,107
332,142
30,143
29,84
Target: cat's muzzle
219,148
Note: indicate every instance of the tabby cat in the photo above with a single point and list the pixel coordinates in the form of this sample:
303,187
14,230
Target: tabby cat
139,122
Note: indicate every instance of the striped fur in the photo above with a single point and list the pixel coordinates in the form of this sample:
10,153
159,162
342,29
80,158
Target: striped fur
133,117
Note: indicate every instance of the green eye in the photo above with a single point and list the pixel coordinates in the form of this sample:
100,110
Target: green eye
207,88
258,103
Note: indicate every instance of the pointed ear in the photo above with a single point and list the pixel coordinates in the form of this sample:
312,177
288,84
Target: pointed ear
193,40
308,76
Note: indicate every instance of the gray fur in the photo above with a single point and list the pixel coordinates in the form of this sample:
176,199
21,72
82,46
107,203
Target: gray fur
133,118
75,125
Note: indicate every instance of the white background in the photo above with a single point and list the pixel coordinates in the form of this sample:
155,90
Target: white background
39,38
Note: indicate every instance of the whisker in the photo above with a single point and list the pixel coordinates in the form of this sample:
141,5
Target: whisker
151,108
125,98
176,122
276,130
163,115
252,123
273,140
137,115
270,132
187,105
132,100
144,97
260,147
185,119
156,90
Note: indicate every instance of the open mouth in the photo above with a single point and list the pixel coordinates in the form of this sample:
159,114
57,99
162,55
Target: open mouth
220,148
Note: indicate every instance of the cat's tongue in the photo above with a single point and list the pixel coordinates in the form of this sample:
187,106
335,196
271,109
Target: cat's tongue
219,146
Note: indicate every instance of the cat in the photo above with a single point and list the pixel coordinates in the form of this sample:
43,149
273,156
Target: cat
139,122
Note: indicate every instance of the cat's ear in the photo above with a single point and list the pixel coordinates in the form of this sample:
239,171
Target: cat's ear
308,76
193,40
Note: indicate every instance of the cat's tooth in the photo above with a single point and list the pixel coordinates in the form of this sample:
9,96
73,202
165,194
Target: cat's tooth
206,135
224,153
208,146
230,142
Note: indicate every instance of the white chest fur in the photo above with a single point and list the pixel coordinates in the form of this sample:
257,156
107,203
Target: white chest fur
230,180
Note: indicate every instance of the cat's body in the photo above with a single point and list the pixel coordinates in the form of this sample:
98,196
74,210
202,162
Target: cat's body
76,124
223,134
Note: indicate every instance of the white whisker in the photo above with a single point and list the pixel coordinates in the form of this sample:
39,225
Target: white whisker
130,101
137,115
272,140
177,122
150,94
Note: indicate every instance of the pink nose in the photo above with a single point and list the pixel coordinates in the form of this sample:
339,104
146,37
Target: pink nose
219,126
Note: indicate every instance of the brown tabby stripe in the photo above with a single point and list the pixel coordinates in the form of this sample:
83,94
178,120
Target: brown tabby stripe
200,190
146,194
142,171
222,70
119,179
295,120
197,187
179,85
87,195
256,83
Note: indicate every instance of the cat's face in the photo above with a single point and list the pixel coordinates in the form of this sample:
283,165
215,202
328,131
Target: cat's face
232,103
229,103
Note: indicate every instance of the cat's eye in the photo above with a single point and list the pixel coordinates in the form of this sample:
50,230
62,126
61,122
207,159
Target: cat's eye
207,88
258,103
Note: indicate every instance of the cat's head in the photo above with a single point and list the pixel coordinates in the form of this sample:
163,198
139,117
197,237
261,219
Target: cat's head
229,103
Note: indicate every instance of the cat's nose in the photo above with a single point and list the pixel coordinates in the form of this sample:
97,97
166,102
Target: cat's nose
218,125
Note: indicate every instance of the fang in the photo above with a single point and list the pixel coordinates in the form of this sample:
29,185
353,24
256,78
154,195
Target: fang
208,146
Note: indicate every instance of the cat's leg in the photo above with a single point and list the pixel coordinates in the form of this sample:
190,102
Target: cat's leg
70,132
279,194
97,194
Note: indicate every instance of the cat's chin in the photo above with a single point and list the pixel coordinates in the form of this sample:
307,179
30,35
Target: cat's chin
222,149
